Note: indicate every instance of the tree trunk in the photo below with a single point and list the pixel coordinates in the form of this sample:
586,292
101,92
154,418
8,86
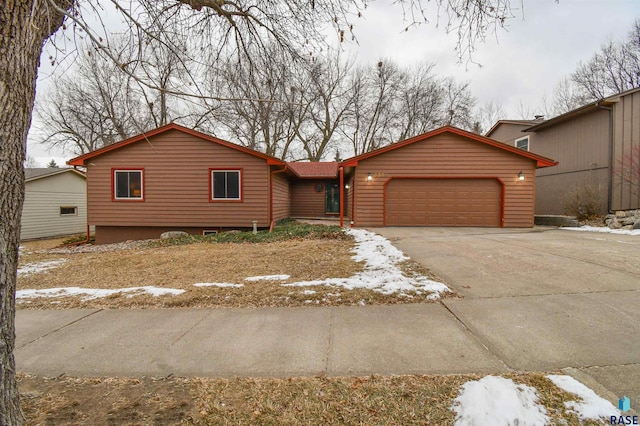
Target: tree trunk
22,35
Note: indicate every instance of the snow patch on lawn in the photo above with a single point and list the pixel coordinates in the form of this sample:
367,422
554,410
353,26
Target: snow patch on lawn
280,277
95,293
591,407
221,285
603,229
498,401
381,272
36,268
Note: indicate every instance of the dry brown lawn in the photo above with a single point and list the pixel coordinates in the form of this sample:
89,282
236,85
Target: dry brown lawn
180,267
398,400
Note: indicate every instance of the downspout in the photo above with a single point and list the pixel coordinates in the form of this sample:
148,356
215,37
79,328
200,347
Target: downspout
341,196
610,184
273,173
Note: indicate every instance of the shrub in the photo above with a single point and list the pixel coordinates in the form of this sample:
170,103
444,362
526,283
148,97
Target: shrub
584,201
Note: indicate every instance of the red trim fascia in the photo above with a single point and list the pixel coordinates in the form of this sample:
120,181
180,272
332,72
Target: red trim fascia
79,161
113,184
273,173
540,160
341,172
500,181
226,169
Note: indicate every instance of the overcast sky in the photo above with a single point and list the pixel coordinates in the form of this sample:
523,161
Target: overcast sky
542,44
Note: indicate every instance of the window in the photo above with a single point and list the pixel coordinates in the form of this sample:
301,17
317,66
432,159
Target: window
523,143
127,185
68,211
226,185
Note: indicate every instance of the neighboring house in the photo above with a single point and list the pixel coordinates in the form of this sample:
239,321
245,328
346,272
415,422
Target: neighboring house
55,203
174,178
589,143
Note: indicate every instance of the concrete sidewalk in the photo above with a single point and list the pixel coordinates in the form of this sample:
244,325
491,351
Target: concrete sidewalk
273,342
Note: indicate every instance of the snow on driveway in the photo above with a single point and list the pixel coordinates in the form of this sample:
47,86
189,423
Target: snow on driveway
603,229
381,272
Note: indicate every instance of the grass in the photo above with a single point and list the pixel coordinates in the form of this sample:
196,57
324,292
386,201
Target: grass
287,229
374,400
303,251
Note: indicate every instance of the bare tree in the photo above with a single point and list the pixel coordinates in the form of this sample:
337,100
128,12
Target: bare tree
486,116
96,104
220,26
627,170
614,69
326,101
263,106
420,102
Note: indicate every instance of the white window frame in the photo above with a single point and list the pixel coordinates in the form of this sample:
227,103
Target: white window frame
115,185
524,138
239,172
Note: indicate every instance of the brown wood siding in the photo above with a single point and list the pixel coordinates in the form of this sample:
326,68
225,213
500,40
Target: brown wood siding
306,201
581,146
176,185
446,155
626,138
348,199
443,202
281,200
509,132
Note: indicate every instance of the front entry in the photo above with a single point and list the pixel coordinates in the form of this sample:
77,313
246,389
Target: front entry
332,197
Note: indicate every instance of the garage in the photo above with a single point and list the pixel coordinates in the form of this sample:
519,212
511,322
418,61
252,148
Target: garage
443,202
447,177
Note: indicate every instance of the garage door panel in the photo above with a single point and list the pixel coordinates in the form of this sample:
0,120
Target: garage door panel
443,202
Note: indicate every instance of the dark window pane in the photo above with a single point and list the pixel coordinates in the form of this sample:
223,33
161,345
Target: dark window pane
219,184
68,211
233,185
135,184
122,185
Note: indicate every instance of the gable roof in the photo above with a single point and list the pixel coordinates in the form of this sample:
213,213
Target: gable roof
32,174
79,161
310,170
540,160
516,122
592,106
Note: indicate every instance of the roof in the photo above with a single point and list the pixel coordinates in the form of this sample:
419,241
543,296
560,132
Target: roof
516,122
311,170
600,104
39,173
540,160
80,161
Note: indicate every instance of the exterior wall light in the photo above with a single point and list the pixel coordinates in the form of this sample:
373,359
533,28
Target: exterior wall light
369,177
520,176
346,186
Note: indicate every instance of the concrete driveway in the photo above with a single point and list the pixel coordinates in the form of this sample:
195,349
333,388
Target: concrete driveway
544,298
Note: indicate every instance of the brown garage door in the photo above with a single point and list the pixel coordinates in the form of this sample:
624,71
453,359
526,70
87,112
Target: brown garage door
443,202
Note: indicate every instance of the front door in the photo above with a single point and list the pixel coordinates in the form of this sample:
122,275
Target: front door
332,204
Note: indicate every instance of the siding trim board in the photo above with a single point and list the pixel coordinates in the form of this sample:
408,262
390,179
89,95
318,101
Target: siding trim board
498,179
